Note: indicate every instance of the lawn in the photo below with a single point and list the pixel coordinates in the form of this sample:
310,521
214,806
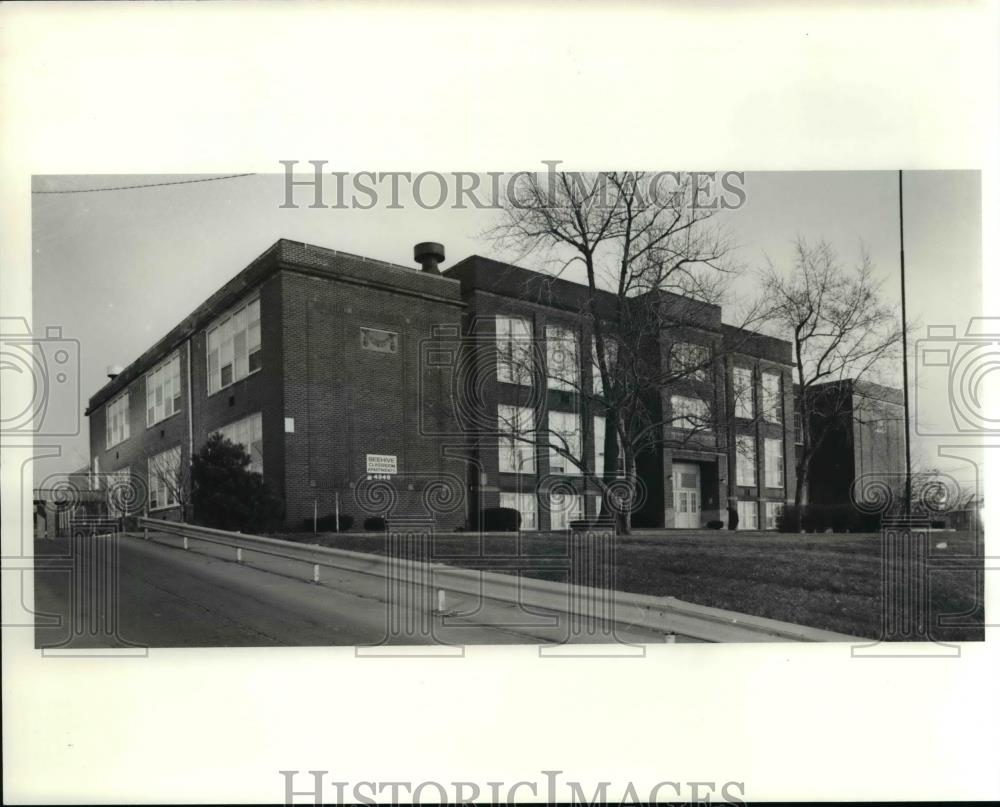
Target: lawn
825,581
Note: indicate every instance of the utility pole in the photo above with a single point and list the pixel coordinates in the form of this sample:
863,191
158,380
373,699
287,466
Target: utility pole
907,490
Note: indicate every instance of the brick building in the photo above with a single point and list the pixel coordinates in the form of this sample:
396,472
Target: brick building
369,387
862,429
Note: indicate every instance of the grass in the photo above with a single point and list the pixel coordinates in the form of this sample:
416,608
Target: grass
824,581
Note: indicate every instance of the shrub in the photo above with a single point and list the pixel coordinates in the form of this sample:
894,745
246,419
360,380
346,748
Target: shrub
374,524
500,519
790,518
714,525
226,494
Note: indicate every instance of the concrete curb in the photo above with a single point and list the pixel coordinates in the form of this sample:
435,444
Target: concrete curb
662,614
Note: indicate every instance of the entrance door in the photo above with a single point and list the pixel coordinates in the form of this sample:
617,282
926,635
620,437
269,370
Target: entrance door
687,495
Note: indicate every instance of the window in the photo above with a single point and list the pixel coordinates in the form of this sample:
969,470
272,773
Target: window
516,425
514,361
774,463
562,358
116,421
234,346
247,433
797,428
564,433
772,397
163,391
119,492
610,356
379,341
164,479
747,512
689,413
690,360
600,460
771,512
564,508
746,460
526,504
743,391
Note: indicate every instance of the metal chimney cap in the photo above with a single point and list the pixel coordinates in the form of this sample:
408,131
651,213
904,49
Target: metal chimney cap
428,249
113,370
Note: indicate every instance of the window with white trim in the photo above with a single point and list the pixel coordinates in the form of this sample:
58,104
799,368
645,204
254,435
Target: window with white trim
797,428
247,432
163,391
743,392
116,421
565,433
771,384
747,512
562,358
774,463
746,460
689,413
690,361
516,426
164,478
772,510
526,504
514,354
564,508
233,346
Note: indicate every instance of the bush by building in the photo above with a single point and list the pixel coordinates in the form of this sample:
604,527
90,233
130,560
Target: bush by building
226,494
500,519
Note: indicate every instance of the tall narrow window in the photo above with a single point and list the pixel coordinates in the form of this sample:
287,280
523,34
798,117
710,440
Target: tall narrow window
772,512
746,460
163,391
743,391
562,358
797,427
771,383
514,353
774,463
564,508
747,512
165,479
116,421
565,438
516,426
248,433
233,346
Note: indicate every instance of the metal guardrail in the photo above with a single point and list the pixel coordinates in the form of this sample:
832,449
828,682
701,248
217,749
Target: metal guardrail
666,615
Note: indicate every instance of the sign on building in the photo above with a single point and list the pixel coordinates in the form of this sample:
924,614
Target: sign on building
381,465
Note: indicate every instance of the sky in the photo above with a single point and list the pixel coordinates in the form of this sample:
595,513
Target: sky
117,269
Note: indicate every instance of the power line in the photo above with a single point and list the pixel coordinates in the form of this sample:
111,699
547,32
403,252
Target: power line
149,184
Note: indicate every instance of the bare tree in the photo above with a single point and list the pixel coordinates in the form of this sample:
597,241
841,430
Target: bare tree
841,331
651,262
170,479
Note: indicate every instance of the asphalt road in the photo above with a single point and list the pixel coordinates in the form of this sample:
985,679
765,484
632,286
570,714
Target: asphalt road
146,594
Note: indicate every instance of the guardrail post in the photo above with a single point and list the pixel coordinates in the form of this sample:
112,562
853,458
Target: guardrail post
670,638
145,533
239,555
315,572
185,542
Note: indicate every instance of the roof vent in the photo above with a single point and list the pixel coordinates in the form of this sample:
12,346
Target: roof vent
113,370
429,254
